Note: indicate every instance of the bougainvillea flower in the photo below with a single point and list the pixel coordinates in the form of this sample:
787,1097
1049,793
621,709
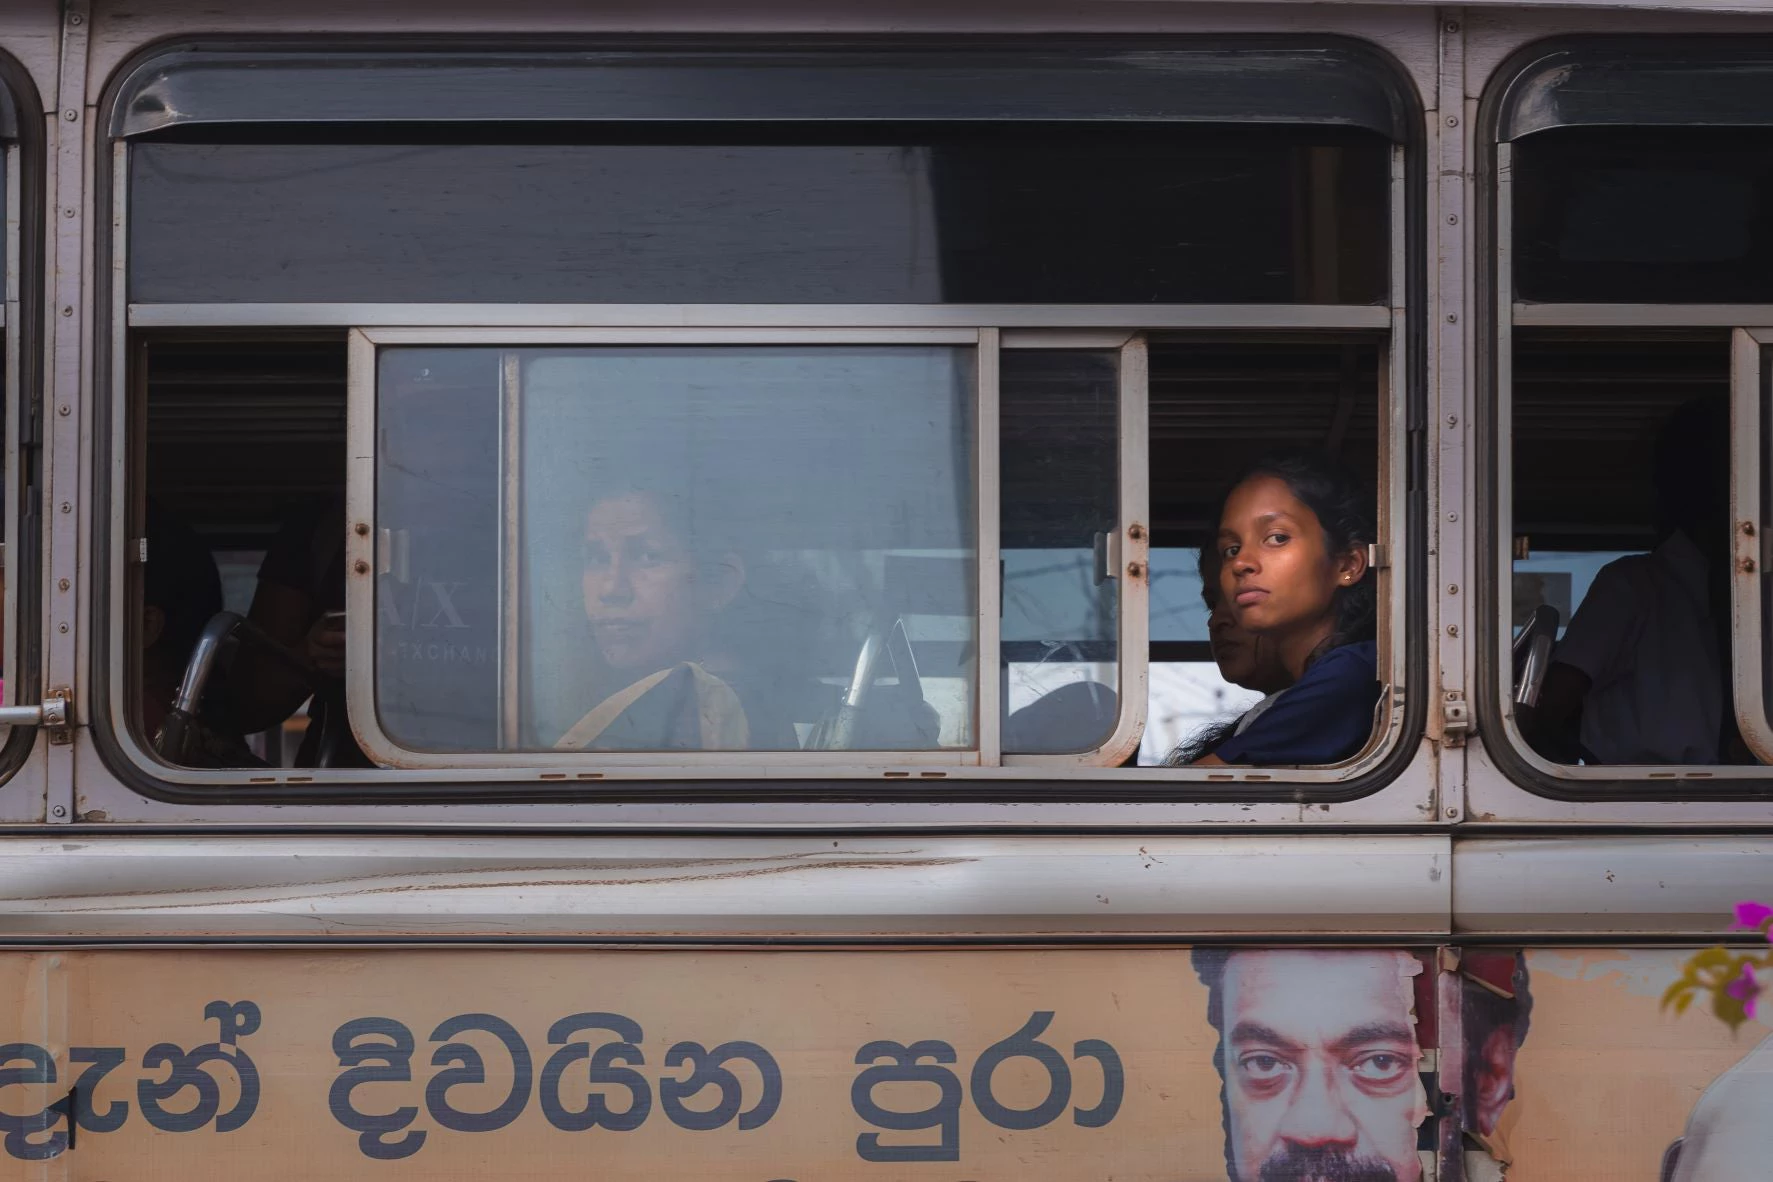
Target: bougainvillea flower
1753,915
1745,989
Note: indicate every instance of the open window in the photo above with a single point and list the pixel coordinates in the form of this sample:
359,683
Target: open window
909,404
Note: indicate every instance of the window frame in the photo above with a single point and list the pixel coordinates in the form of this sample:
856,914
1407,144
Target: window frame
1402,554
1749,372
22,145
363,346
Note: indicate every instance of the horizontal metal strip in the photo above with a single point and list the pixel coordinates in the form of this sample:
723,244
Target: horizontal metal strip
1602,886
1180,887
1131,316
1527,315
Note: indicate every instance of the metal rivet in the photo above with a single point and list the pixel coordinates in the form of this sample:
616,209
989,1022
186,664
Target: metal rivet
1748,529
1452,318
1452,588
1135,570
64,628
1452,812
362,529
1453,516
75,18
1452,629
361,567
1135,531
64,410
59,811
1452,26
1746,566
1452,420
1452,121
67,508
1452,219
68,211
70,114
63,584
67,309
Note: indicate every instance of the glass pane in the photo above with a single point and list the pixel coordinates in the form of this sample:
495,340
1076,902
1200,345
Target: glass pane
680,547
816,214
1638,215
1059,448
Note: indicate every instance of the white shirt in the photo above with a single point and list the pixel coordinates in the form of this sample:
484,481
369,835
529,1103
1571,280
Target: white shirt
1646,638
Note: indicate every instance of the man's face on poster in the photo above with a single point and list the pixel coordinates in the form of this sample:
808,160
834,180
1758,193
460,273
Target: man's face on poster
1320,1067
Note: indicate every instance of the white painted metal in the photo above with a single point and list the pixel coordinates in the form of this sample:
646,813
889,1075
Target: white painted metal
1748,524
1604,885
67,399
1447,430
1134,552
12,562
889,887
987,478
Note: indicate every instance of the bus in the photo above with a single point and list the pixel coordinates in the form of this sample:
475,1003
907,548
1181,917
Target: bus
613,590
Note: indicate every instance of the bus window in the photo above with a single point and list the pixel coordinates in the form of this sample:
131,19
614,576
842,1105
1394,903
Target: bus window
790,473
244,435
811,215
1643,215
672,547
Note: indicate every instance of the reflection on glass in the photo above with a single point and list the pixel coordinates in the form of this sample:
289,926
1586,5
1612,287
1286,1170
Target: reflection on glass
1060,464
700,548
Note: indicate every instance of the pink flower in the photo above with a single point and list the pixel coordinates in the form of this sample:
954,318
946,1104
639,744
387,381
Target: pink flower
1752,915
1745,989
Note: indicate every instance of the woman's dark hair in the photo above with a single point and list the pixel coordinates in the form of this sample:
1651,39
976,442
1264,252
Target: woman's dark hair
1202,742
1344,508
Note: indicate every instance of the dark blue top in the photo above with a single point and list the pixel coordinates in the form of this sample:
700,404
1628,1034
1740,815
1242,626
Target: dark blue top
1324,718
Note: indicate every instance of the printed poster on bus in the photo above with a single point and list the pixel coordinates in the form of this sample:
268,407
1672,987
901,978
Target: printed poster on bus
1251,1064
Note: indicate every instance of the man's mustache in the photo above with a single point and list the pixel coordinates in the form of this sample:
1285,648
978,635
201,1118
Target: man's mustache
1310,1163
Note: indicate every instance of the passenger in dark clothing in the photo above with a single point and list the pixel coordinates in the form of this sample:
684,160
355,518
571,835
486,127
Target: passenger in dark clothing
300,602
1293,538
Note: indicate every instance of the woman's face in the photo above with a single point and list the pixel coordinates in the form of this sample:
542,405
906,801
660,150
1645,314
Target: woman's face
1242,658
1277,574
640,585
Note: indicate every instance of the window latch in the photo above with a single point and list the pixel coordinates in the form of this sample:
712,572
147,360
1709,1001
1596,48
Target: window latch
1107,547
1455,719
52,715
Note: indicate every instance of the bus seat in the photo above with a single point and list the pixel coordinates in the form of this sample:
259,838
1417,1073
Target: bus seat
1532,653
876,716
179,740
1073,718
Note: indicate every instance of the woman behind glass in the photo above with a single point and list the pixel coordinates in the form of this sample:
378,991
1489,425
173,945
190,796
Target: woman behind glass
656,597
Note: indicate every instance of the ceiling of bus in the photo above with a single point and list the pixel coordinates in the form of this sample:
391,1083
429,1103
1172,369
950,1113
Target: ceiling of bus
1586,410
238,431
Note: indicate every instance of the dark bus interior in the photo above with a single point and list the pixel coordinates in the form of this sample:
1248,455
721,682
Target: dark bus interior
237,430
